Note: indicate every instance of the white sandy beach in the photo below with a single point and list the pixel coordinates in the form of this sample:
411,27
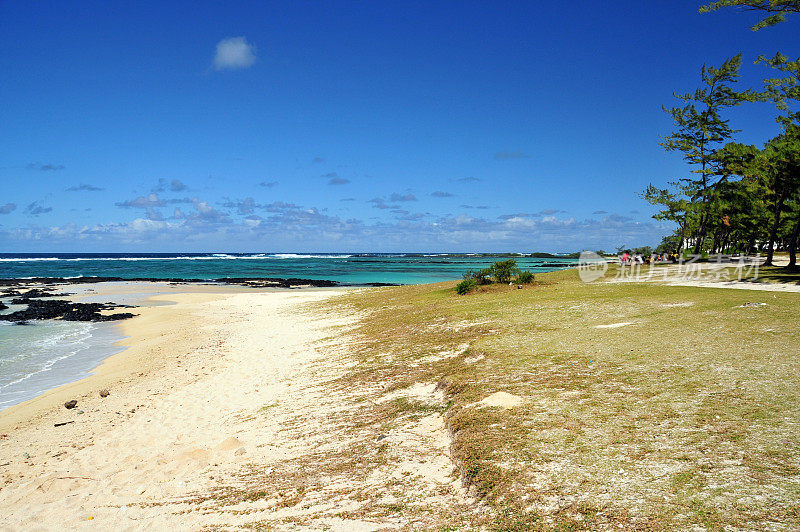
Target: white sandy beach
214,389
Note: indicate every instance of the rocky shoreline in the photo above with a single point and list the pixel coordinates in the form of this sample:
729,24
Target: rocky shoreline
20,292
38,308
52,309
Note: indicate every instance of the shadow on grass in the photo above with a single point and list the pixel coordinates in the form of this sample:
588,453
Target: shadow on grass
772,274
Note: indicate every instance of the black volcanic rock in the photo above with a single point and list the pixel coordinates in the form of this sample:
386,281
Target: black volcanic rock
50,309
266,282
32,293
3,306
40,292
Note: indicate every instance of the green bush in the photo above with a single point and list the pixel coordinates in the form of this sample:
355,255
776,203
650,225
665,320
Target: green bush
503,270
479,276
465,286
525,277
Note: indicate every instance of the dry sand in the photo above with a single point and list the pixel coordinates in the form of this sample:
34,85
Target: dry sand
203,395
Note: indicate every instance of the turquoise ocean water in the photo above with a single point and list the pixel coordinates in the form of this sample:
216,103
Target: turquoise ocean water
344,268
42,355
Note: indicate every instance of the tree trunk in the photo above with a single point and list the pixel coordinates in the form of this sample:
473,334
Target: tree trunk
698,246
773,232
751,244
680,240
701,228
725,240
793,246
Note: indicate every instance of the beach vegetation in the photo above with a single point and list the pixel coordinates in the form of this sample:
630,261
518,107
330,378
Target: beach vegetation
637,410
504,270
525,277
465,286
501,272
482,276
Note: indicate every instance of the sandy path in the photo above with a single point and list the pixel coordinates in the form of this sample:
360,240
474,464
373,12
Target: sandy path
703,275
766,287
204,395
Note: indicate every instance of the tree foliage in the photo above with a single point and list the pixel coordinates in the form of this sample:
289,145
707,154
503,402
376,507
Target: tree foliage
701,131
784,91
737,198
504,270
777,9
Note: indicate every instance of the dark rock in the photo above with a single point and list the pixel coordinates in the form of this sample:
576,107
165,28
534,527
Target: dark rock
104,393
39,292
3,306
50,309
266,282
72,403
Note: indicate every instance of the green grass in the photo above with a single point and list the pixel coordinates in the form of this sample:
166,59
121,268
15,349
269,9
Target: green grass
685,417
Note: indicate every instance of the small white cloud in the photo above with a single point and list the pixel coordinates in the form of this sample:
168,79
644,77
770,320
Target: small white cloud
234,53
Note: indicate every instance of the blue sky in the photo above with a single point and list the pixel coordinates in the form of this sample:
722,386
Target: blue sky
344,126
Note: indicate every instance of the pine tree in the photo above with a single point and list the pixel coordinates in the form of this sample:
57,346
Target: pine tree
701,131
778,9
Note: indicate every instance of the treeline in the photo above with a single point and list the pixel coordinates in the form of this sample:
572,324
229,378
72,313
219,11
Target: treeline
738,198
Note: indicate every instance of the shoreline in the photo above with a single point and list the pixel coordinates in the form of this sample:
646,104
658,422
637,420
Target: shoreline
169,352
219,404
113,367
111,370
121,290
47,354
286,408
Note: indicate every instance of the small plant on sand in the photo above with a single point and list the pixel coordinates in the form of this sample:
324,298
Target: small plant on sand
525,277
465,286
504,270
479,276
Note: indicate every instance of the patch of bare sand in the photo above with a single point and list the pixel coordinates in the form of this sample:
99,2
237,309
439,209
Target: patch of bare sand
502,400
218,399
614,325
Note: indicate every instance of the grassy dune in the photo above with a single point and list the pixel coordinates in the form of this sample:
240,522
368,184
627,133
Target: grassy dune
685,415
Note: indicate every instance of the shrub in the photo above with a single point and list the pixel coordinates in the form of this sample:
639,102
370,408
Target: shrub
503,270
465,286
525,277
479,276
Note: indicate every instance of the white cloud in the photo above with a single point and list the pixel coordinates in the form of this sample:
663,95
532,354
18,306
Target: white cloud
234,53
291,227
142,202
